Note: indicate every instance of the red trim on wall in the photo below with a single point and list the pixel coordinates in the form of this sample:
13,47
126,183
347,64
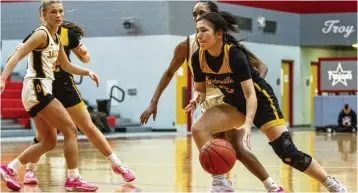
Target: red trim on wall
319,73
336,58
301,7
290,91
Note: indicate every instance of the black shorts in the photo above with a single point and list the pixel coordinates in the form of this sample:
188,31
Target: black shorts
37,96
268,113
66,92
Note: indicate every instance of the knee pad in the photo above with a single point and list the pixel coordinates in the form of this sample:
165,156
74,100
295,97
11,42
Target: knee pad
289,154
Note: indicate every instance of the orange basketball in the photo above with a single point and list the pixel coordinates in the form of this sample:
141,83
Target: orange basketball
217,156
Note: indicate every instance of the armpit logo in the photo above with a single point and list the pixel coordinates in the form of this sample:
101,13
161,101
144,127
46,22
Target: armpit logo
332,26
339,75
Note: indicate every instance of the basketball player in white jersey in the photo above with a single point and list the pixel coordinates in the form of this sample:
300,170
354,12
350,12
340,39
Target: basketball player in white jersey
47,112
68,94
183,52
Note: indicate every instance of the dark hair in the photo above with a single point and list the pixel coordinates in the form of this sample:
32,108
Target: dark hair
211,5
223,21
73,27
346,106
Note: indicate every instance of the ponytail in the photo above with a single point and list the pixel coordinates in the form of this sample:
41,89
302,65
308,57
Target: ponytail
231,21
73,27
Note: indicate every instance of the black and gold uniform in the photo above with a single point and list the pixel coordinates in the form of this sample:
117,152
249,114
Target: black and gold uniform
64,88
227,71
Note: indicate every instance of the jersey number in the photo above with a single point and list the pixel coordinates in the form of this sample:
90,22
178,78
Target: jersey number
53,53
227,89
55,67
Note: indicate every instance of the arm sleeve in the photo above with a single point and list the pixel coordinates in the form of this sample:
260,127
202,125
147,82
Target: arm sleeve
240,64
73,40
198,73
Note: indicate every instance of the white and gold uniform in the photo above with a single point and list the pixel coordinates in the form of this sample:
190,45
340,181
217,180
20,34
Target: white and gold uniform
37,86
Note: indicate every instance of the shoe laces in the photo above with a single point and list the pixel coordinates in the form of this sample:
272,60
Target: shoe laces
125,169
335,187
217,186
13,173
82,180
30,173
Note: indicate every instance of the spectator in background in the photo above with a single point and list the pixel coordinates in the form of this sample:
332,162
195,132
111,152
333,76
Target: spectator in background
347,120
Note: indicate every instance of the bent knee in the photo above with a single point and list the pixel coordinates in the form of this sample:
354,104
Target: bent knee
49,144
70,130
197,129
289,154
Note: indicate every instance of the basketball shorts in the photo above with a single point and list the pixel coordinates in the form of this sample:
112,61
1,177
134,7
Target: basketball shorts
36,95
67,93
268,113
212,101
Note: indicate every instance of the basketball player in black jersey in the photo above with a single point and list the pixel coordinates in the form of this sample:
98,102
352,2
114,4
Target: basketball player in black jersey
182,53
248,98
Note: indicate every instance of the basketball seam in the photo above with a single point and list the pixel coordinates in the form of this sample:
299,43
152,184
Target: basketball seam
211,163
231,149
220,157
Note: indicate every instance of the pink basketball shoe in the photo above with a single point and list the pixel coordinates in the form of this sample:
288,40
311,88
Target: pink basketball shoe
79,185
127,174
9,177
30,177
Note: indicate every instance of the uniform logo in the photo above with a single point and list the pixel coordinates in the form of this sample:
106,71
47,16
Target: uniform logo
339,75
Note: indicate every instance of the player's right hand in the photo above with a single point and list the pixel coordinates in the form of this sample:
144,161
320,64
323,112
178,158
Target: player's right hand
151,110
192,105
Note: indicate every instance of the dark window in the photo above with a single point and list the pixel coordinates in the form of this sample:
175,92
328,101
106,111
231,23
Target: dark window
270,27
244,23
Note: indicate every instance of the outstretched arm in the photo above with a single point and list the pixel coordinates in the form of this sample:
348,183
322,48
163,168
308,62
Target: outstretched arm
178,59
180,53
